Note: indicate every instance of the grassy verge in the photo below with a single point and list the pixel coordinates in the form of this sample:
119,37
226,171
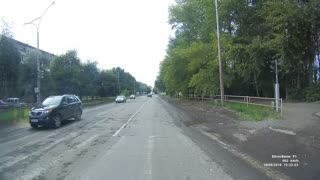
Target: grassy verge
21,115
251,112
14,115
97,102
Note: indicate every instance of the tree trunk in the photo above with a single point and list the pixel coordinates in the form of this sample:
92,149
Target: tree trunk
256,84
286,90
310,75
298,81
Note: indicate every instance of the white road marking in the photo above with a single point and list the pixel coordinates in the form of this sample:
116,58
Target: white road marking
215,138
252,161
283,131
149,155
124,125
241,137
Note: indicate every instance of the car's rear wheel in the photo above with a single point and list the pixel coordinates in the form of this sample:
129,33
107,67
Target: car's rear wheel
78,115
56,121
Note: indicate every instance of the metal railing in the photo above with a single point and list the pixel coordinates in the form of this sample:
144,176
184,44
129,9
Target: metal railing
248,100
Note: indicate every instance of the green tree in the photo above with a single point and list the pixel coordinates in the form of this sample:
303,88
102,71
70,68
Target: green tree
65,70
9,65
88,79
254,34
107,83
28,76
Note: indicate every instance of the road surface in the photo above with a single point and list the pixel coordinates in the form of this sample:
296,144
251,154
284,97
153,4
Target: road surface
143,139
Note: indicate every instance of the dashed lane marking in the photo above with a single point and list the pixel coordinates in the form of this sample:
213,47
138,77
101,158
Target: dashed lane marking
124,125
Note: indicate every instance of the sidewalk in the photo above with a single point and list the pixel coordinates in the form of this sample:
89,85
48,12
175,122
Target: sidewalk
297,135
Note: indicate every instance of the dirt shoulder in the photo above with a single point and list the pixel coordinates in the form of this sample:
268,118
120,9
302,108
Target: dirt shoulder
298,134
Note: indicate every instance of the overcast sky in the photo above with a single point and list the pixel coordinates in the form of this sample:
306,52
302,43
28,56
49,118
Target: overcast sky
132,34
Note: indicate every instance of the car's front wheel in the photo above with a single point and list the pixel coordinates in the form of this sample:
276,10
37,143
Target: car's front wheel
78,115
56,121
34,126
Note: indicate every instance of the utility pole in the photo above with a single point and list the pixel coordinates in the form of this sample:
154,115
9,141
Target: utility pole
134,87
277,91
118,83
37,89
219,55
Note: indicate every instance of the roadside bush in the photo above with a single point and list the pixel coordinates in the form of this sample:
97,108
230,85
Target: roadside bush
125,92
311,93
295,94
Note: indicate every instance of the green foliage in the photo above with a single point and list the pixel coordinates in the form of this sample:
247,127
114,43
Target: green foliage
65,74
311,93
28,76
9,67
252,112
125,93
88,77
253,35
108,83
14,114
65,70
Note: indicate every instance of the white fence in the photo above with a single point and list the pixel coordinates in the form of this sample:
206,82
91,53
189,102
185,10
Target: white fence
257,101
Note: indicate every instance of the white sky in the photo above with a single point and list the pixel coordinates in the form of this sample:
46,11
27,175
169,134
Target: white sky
132,34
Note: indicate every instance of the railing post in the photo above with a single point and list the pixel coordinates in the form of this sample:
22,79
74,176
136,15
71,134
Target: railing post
281,108
247,101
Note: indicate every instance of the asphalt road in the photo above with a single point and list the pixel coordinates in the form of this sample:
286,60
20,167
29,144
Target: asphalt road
142,139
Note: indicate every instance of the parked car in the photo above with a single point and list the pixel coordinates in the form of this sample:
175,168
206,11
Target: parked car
4,105
149,95
121,99
14,102
132,96
55,109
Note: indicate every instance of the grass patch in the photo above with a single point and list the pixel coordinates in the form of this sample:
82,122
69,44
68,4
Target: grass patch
98,102
14,114
250,112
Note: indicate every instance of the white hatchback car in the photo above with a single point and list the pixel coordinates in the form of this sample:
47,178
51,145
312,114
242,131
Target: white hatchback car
121,99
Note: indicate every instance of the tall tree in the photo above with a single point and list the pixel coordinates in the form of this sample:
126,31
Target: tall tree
65,70
9,63
88,79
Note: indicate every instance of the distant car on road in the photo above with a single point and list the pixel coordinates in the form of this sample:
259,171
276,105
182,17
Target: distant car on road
55,109
121,99
4,105
15,102
149,95
132,96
